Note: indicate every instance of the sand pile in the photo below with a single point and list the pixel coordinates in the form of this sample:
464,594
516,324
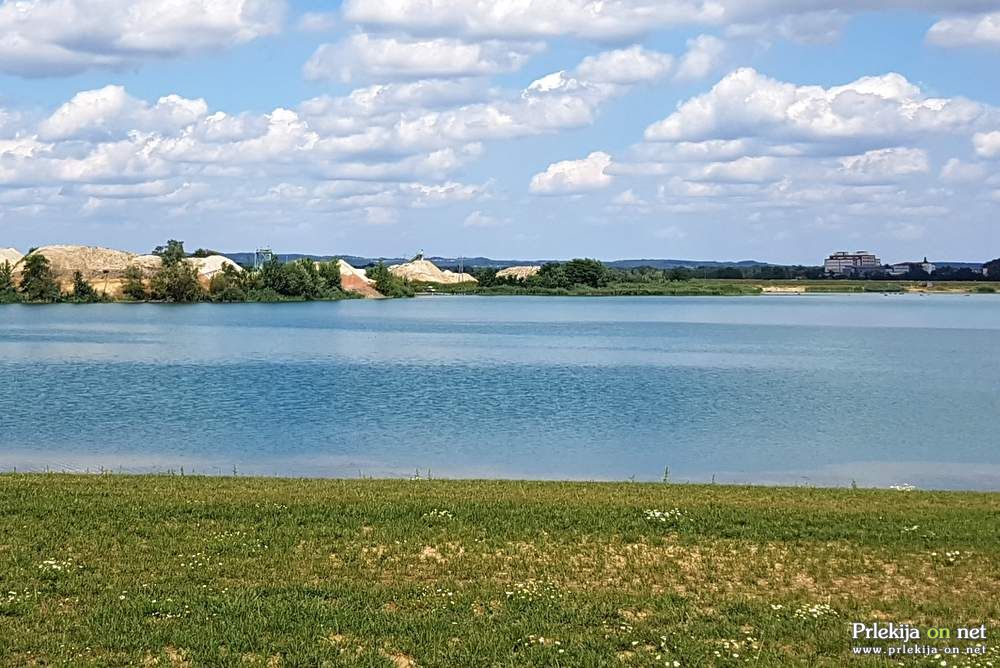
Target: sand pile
356,280
519,273
104,268
425,271
209,266
11,255
149,264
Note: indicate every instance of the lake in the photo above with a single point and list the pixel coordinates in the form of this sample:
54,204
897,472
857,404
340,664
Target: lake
808,389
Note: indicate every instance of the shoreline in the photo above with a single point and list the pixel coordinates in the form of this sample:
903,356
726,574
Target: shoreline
680,483
218,472
741,290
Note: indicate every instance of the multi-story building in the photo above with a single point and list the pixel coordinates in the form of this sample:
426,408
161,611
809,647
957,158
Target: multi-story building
843,263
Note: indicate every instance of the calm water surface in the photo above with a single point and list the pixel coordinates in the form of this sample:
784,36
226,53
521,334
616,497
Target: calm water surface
793,389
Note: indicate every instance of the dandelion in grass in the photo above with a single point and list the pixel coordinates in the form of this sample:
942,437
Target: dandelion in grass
950,558
542,641
14,597
439,514
815,611
663,516
738,648
59,565
532,590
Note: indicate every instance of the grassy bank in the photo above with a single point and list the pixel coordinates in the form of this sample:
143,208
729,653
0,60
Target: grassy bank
675,288
718,287
120,570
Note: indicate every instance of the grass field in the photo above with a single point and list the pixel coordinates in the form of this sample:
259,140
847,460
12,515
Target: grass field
194,571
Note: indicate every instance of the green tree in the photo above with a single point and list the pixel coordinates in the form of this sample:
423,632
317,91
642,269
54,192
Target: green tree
330,273
172,253
229,285
551,275
272,277
388,283
177,282
37,284
487,277
302,279
134,288
992,269
83,291
586,272
8,292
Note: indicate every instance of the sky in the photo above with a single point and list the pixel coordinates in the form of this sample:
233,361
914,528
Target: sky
776,130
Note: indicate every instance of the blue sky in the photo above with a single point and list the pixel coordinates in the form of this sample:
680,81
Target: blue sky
777,130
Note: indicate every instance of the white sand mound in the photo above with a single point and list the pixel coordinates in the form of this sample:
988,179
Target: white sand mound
105,268
348,270
11,255
210,266
425,271
519,273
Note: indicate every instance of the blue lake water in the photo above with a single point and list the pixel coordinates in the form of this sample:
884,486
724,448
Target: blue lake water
820,389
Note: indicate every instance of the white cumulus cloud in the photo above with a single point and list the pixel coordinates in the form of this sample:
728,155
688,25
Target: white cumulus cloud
364,56
58,37
625,66
746,103
881,164
573,176
957,31
704,55
598,19
111,112
987,143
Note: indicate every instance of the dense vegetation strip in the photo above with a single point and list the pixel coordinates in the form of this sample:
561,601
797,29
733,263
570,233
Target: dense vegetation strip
587,277
170,570
176,280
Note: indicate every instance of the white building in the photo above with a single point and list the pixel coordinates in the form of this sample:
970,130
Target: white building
844,263
903,268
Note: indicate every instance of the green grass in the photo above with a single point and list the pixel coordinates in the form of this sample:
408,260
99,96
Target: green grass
672,288
714,287
163,570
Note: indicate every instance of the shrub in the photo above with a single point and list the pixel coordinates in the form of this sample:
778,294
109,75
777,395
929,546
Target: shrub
177,282
388,283
228,285
330,273
83,291
134,288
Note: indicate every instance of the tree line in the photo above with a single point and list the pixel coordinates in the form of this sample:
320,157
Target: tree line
177,281
585,272
588,272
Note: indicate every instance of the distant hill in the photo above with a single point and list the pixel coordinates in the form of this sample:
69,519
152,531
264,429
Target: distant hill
484,262
673,264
